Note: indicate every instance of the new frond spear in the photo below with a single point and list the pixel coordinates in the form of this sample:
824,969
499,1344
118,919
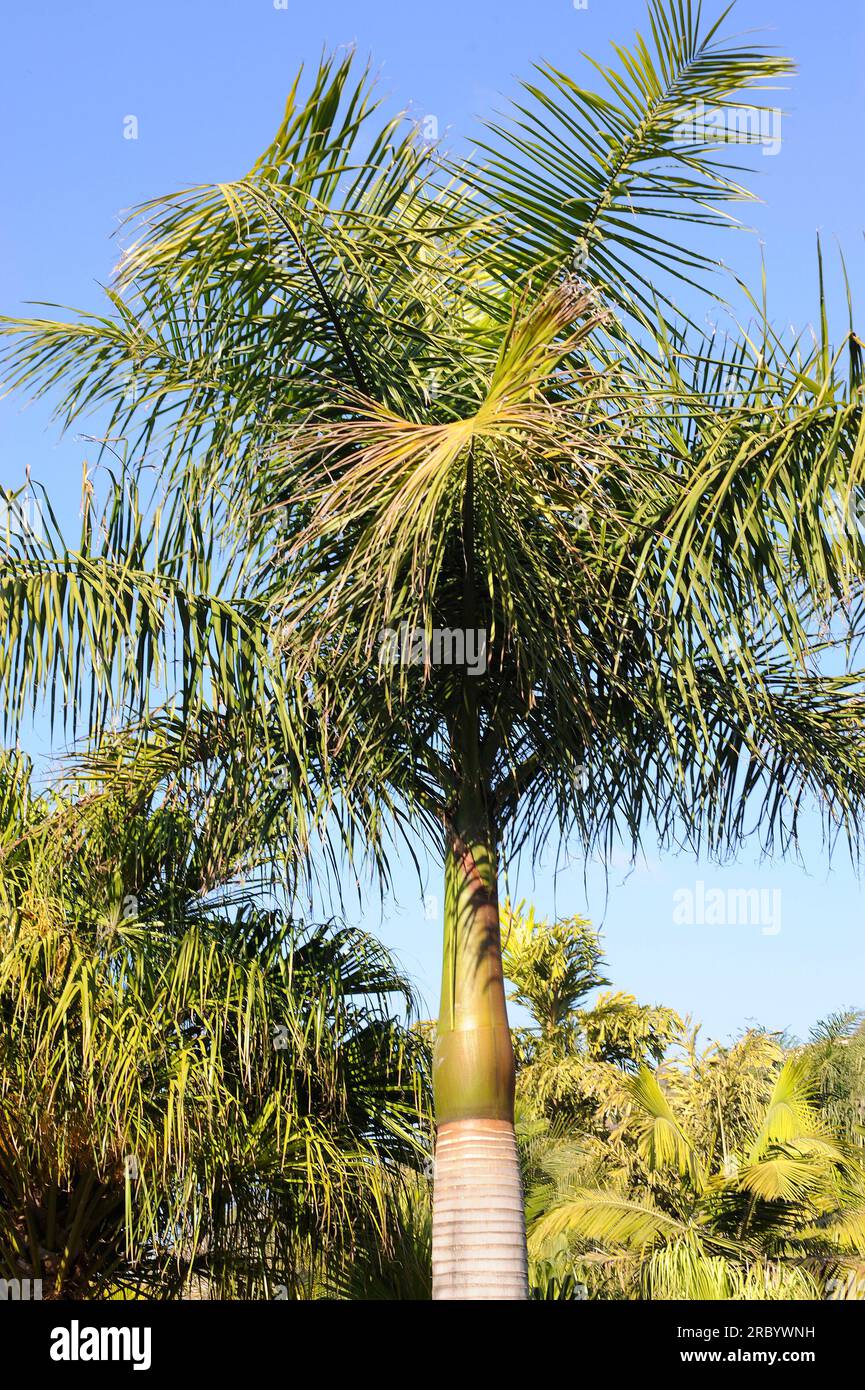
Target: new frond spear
384,396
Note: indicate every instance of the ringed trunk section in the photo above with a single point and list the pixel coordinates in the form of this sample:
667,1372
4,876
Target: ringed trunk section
479,1231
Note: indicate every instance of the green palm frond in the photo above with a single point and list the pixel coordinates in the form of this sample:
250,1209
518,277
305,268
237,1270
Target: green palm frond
789,1116
683,1271
607,182
788,1176
605,1217
234,302
192,1084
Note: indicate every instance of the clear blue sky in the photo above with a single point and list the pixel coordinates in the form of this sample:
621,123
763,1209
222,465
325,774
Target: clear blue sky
207,80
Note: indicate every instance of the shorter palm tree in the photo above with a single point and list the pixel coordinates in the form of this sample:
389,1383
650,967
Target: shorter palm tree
835,1056
190,1083
569,1057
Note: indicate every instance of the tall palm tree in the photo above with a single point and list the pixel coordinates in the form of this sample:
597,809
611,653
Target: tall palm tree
464,525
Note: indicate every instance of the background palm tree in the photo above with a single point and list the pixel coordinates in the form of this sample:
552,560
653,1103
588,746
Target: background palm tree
835,1054
567,1057
719,1180
389,405
656,1170
195,1092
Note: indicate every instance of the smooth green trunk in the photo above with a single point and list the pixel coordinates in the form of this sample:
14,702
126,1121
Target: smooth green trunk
473,1071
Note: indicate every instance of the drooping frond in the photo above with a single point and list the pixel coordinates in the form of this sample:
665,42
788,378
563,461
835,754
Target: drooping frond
601,1216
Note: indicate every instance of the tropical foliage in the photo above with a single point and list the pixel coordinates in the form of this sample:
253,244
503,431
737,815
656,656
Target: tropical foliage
196,1093
722,1173
564,1060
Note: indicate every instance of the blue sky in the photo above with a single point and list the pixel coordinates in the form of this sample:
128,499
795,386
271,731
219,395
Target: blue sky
206,80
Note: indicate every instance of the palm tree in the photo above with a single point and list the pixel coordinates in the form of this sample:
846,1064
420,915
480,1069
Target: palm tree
453,536
721,1180
194,1091
835,1057
569,1060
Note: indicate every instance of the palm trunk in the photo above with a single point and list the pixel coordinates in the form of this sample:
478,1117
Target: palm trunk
479,1234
